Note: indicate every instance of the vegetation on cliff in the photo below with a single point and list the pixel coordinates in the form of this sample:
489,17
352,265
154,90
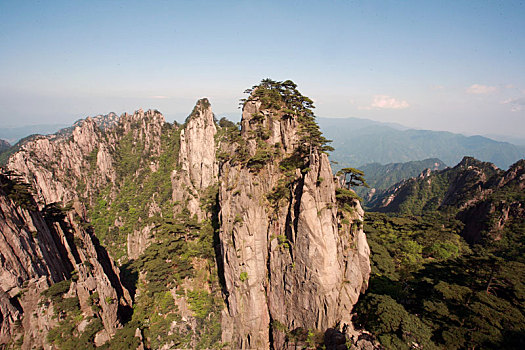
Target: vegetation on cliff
178,268
284,97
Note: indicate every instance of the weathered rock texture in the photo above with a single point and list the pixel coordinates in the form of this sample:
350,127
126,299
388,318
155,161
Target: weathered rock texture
74,165
69,169
197,146
289,263
92,163
198,166
42,247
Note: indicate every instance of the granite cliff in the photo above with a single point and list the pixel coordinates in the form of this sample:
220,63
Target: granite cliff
45,253
142,233
291,262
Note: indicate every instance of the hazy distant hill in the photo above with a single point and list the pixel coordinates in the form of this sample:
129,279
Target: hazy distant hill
4,145
520,141
13,135
382,177
360,141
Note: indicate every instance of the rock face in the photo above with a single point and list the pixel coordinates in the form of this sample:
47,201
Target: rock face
43,247
197,146
289,262
92,163
197,158
185,211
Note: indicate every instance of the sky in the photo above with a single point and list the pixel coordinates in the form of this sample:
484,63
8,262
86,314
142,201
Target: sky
443,65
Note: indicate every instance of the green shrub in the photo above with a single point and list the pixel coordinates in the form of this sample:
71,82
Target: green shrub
243,276
57,290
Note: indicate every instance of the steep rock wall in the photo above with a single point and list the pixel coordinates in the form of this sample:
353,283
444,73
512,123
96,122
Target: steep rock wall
288,262
198,167
43,247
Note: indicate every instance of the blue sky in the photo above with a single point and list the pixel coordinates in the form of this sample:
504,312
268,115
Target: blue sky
443,65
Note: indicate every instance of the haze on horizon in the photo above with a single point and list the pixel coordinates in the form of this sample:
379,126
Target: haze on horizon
448,65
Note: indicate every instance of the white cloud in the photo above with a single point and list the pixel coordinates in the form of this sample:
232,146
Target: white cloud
386,102
516,104
159,97
481,89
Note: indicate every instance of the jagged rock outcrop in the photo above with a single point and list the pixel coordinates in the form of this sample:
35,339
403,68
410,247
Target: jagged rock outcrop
95,162
43,247
74,165
197,158
70,168
57,168
289,263
197,146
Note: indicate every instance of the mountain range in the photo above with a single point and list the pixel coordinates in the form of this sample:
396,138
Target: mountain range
359,141
381,177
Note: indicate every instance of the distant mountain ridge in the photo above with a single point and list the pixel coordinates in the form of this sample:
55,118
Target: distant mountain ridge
484,197
360,141
103,121
4,145
15,134
381,177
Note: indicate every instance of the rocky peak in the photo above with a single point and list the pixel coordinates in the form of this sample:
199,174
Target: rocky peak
103,122
141,119
278,114
273,126
290,264
515,174
291,255
197,146
106,121
473,163
55,165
